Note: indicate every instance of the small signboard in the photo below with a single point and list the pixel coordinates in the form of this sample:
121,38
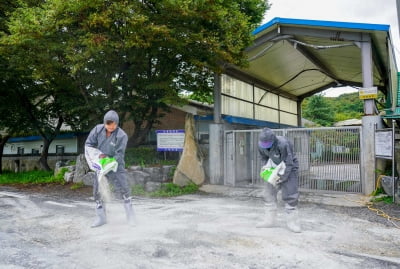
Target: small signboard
368,93
170,140
383,144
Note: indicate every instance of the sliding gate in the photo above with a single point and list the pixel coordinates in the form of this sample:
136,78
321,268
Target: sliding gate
329,158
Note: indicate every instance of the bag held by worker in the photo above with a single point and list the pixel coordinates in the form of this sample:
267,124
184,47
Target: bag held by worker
271,172
100,165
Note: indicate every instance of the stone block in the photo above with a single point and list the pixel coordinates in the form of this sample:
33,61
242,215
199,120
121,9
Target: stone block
154,172
135,168
137,177
166,172
152,186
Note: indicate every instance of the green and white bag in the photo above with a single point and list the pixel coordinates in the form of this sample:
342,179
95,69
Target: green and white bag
272,172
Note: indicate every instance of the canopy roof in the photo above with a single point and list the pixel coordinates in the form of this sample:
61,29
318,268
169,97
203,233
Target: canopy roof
298,58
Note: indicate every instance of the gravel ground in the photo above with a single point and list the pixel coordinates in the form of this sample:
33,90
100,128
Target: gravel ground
380,212
48,226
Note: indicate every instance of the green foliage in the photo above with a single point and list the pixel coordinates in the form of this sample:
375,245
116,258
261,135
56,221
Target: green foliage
382,198
145,156
61,173
378,191
170,190
166,190
318,110
109,57
138,190
326,110
32,177
141,156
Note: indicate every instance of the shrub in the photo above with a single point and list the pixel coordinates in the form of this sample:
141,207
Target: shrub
31,177
167,190
145,156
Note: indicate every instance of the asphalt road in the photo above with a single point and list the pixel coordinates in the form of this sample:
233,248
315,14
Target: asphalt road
195,231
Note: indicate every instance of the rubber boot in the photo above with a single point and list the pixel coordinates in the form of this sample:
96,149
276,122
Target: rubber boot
292,219
130,214
100,215
269,216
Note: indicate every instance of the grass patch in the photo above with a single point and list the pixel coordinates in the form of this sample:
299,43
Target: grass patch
166,190
60,174
138,190
76,186
386,199
31,177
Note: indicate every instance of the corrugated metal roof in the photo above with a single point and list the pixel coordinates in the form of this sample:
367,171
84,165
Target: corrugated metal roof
326,24
298,58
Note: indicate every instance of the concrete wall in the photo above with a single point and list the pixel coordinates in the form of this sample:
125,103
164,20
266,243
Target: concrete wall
29,163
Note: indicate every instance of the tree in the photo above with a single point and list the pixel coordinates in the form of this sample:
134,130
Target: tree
318,110
40,104
132,56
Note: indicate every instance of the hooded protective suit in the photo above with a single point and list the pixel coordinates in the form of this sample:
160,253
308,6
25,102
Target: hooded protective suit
278,149
113,146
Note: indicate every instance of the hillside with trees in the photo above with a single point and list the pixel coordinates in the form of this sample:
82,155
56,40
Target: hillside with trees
325,111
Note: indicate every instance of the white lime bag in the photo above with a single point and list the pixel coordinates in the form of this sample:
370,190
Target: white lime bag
100,165
271,172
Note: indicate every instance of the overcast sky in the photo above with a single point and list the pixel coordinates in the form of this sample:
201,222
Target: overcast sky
363,11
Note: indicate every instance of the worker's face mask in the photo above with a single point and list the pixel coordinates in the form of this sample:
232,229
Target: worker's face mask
265,144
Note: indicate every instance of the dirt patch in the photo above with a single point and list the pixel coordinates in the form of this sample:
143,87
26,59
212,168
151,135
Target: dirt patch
65,191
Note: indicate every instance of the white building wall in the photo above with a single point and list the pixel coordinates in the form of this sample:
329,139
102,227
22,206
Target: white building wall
242,99
70,146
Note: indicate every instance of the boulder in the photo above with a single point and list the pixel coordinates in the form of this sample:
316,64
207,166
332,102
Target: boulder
190,166
69,176
89,178
82,168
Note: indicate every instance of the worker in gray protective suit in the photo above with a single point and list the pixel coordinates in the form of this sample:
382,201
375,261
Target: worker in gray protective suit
278,149
111,140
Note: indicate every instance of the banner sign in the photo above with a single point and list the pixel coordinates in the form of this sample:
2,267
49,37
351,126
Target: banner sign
170,140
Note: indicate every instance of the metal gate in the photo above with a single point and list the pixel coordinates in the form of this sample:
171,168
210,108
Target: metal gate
329,158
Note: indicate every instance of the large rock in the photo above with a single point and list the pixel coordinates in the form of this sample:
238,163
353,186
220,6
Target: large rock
69,176
82,168
89,178
190,166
